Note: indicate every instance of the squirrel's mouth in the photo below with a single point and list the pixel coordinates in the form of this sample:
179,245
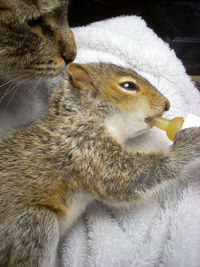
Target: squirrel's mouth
149,120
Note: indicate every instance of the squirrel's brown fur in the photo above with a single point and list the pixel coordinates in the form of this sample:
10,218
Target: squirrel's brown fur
70,152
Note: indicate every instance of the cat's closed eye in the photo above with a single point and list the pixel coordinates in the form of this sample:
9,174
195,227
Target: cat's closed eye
34,22
46,29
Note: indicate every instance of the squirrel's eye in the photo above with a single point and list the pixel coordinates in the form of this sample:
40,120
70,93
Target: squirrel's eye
130,86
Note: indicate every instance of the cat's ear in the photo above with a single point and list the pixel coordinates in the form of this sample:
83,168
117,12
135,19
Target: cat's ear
82,79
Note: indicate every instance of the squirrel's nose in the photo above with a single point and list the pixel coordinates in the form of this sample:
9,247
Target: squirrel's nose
68,58
167,105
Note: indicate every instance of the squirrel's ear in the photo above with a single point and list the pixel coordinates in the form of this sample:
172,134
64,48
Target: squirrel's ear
81,78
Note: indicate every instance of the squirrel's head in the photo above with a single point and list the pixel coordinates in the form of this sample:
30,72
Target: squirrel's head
131,100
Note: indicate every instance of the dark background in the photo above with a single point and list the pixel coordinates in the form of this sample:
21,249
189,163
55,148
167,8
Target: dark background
176,22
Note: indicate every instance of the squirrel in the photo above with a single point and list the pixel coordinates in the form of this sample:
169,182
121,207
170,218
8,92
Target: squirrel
53,168
36,44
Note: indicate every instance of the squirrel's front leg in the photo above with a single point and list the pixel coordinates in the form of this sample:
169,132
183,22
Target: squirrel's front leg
113,174
30,239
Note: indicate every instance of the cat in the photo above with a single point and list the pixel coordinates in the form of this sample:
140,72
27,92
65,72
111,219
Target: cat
36,43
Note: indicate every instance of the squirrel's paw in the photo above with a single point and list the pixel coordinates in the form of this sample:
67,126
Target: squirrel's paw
189,139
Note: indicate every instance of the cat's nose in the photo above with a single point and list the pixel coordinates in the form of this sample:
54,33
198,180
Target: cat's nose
68,57
66,44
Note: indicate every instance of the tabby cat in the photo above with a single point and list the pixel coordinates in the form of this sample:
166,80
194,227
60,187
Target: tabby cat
35,45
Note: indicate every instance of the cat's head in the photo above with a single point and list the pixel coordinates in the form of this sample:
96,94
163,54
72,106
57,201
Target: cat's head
35,37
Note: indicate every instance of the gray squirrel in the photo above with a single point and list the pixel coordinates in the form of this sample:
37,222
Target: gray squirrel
35,45
53,168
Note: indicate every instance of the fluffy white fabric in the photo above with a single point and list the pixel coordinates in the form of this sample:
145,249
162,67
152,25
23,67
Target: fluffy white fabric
164,228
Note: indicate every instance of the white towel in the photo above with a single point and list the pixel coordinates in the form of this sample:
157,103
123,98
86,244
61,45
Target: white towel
163,229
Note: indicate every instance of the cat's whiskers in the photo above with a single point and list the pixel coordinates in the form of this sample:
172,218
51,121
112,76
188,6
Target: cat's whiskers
11,88
15,79
14,90
34,87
